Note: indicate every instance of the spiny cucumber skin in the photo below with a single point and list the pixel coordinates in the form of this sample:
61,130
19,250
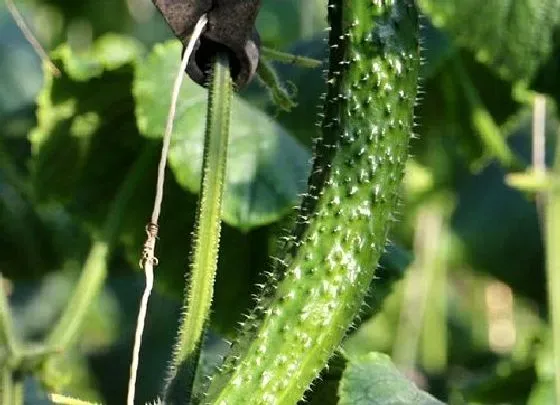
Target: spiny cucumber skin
369,117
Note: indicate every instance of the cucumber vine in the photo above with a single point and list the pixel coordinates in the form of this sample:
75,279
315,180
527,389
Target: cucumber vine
201,284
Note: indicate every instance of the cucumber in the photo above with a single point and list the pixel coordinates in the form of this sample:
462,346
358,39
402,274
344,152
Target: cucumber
343,221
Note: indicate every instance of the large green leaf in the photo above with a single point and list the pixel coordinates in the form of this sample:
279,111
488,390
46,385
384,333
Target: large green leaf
99,16
86,138
280,23
512,36
86,144
374,380
267,168
26,247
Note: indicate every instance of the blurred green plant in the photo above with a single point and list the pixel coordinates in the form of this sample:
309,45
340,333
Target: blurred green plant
99,125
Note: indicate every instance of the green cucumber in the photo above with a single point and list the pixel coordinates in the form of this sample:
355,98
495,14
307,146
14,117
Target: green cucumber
344,220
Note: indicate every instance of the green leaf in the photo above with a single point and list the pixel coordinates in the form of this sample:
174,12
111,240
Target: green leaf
83,148
110,52
512,36
543,394
281,23
267,168
374,380
543,391
86,138
100,16
27,248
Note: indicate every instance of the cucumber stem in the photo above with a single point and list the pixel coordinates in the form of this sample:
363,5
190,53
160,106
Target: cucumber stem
200,288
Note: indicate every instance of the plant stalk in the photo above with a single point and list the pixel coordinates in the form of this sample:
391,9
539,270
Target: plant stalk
200,288
552,224
421,281
12,387
284,57
7,388
488,131
7,335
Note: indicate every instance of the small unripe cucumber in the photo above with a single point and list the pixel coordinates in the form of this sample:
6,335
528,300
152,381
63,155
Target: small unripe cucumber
359,164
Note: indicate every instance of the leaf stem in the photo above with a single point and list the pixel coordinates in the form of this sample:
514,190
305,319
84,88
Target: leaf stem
487,129
90,283
207,231
18,393
284,57
7,388
63,400
421,280
7,335
269,78
12,387
552,224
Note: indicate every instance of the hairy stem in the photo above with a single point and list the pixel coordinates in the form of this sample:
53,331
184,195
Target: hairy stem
269,78
200,289
285,57
148,260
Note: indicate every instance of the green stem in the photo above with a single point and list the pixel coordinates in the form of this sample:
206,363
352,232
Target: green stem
207,232
483,123
7,385
552,224
7,335
269,78
12,388
434,329
420,283
18,392
91,280
285,57
94,271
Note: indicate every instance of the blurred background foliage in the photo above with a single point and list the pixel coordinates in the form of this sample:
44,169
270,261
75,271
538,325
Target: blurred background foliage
465,314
